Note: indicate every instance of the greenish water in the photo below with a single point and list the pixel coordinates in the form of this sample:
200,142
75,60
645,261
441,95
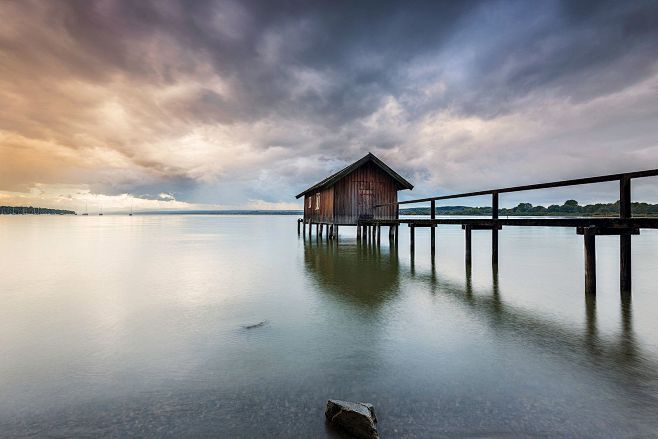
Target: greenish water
135,327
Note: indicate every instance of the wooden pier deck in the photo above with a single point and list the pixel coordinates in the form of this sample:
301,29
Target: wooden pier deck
624,226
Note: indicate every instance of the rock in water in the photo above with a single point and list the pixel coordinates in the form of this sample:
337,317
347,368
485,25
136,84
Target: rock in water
356,418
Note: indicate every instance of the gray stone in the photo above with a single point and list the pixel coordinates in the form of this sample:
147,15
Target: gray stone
355,418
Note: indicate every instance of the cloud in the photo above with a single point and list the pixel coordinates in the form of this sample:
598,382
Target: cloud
244,104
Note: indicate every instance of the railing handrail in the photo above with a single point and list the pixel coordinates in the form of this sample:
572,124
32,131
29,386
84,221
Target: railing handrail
562,183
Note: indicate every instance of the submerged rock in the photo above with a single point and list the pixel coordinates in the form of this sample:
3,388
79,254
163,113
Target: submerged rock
356,418
256,325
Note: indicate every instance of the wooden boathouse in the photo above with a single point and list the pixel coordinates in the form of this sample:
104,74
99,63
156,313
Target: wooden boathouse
351,194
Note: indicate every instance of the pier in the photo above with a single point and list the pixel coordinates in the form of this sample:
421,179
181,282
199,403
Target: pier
625,225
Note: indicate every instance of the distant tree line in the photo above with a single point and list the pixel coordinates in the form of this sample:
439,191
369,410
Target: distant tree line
569,208
29,210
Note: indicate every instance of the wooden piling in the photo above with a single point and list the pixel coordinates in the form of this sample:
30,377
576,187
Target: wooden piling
379,233
625,240
391,234
590,260
358,232
412,237
303,228
433,228
298,226
467,249
494,230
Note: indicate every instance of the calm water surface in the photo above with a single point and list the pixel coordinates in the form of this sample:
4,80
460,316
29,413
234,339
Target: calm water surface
135,326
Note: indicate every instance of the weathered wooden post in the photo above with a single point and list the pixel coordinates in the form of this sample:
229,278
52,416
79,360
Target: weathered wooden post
433,228
412,237
358,232
494,230
589,236
397,233
467,249
391,234
303,227
298,226
625,239
335,231
379,233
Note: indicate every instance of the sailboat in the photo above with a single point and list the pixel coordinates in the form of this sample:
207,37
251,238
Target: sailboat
86,211
100,213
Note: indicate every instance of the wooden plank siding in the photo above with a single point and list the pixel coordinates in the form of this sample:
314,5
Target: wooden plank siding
325,213
357,193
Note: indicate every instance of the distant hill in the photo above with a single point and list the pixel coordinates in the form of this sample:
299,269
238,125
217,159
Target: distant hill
569,208
29,210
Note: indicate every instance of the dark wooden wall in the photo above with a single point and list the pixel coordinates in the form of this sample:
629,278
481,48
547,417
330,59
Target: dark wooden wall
355,195
326,212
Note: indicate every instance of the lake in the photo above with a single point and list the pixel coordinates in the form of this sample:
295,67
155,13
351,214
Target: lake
120,326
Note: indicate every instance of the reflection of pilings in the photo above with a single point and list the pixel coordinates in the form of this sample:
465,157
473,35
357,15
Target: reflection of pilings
469,283
627,335
590,320
613,357
496,301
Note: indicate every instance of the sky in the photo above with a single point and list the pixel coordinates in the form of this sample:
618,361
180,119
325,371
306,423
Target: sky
173,104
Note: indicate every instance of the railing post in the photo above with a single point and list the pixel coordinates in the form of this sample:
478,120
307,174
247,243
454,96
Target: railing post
433,228
625,240
494,230
590,260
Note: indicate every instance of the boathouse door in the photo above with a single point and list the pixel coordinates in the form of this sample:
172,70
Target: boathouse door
365,199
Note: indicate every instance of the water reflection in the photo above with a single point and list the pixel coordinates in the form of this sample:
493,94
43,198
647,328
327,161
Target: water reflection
370,275
360,273
617,358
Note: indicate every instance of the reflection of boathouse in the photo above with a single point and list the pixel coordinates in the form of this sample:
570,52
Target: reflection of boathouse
359,274
351,193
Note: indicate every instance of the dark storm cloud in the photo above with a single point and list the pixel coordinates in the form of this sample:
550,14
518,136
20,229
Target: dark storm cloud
269,96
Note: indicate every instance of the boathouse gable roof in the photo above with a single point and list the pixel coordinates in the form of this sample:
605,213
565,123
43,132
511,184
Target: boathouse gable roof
370,157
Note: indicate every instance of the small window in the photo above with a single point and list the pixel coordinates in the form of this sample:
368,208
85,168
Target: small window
317,201
309,201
